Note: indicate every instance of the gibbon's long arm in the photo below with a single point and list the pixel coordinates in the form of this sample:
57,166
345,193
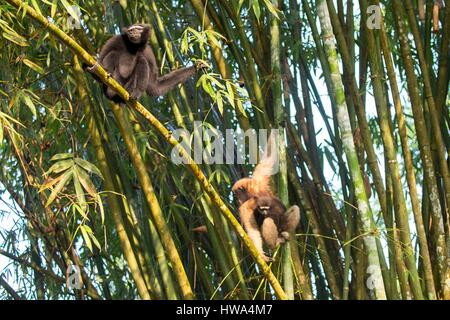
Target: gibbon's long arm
267,166
159,86
138,80
246,212
292,219
109,62
270,234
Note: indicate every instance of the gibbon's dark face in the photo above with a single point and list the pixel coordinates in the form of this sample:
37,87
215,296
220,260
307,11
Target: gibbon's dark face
263,205
137,33
263,210
269,206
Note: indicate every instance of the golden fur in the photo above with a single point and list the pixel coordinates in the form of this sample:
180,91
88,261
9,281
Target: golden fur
272,228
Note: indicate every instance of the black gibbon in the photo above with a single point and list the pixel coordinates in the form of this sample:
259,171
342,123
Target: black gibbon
130,61
262,214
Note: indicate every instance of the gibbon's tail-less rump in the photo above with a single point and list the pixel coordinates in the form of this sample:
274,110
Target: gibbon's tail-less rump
262,214
130,60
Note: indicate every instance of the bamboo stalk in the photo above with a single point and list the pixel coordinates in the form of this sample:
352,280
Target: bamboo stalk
365,213
435,123
112,198
410,175
391,156
425,152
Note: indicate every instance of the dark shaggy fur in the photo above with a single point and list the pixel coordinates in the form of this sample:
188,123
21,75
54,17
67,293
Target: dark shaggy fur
131,61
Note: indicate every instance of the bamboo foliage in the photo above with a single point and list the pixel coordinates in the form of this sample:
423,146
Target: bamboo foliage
357,89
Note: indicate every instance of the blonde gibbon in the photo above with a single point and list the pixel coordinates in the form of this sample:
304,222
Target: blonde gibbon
262,214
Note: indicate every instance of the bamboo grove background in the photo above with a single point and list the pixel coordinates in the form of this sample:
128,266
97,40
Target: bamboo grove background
88,183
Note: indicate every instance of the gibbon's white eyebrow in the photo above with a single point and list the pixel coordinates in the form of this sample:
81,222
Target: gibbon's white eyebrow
136,27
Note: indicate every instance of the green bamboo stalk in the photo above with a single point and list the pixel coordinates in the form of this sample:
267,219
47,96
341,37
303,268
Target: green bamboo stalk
161,258
391,155
435,123
443,73
218,57
149,194
229,248
425,151
112,198
365,213
359,107
328,267
410,175
288,281
129,216
230,7
222,256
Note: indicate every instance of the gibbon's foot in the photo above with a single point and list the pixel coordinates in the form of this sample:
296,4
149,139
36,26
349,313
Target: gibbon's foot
93,68
265,257
200,65
280,240
286,236
135,95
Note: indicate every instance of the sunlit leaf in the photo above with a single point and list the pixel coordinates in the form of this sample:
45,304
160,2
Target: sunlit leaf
70,9
61,156
219,101
36,6
99,201
79,191
30,104
271,8
256,9
88,166
87,183
67,176
86,237
60,166
33,66
15,38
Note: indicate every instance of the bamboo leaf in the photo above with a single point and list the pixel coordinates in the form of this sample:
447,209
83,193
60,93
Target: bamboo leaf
79,191
66,177
33,66
61,156
30,104
88,166
86,237
87,183
256,9
60,166
99,201
219,101
15,38
271,8
70,9
1,134
36,6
